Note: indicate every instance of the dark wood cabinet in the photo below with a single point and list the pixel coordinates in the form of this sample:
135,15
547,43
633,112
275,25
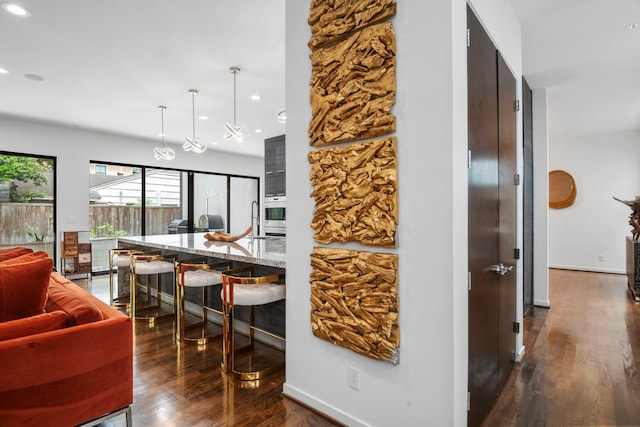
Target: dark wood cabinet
274,166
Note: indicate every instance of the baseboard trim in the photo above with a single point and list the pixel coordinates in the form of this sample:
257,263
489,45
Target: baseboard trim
588,269
320,407
520,354
542,303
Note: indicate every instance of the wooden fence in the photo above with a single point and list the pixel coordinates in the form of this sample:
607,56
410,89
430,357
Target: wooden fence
17,220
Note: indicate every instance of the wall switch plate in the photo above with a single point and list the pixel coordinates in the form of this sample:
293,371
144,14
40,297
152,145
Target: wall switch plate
354,378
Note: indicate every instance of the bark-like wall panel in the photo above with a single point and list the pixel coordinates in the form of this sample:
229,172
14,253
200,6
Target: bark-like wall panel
353,87
354,301
356,193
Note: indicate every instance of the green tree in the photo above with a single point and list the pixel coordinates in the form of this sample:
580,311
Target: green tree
24,169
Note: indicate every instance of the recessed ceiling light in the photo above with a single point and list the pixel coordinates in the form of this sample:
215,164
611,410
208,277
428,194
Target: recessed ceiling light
282,116
34,77
15,9
203,117
4,71
632,26
258,130
256,97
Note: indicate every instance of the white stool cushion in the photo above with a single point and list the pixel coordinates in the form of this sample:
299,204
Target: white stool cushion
121,260
153,267
263,293
200,278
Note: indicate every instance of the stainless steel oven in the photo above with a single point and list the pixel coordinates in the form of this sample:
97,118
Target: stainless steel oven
275,216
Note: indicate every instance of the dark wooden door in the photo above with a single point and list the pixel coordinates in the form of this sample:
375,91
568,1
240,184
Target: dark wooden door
527,190
483,220
507,216
492,220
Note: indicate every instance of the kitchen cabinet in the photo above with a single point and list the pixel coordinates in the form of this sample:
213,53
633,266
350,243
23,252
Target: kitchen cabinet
274,166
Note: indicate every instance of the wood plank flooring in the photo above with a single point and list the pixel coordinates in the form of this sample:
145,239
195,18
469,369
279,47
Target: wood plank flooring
581,368
582,360
183,386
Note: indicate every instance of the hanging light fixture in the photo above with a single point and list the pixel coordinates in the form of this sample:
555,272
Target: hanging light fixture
235,131
162,152
194,144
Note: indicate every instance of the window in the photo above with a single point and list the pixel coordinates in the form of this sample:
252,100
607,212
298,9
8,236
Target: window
27,202
100,169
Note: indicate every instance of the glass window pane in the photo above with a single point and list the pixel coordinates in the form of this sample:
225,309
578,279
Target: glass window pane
114,210
244,191
27,202
163,191
210,202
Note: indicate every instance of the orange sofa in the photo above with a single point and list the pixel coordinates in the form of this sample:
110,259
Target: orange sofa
67,364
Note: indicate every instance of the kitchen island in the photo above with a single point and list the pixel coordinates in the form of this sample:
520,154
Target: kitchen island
265,251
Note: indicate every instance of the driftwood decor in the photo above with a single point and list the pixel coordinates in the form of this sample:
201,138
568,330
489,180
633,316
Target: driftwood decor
332,20
353,87
356,193
354,301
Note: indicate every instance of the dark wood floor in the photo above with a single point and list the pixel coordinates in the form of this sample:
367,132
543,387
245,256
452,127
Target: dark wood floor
176,386
582,361
581,368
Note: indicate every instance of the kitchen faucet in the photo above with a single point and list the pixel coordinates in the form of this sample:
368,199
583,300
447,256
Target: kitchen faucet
257,217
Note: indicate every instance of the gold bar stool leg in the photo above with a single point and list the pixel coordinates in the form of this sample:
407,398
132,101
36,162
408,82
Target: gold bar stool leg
190,274
147,265
118,258
247,291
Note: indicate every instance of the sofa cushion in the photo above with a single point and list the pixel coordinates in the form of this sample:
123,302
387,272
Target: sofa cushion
79,309
31,256
23,288
33,325
13,252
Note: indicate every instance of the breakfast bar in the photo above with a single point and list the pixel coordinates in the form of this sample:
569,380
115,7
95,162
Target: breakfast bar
268,251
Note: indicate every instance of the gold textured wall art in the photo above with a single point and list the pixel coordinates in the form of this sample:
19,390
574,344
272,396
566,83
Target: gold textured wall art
331,20
354,301
353,87
355,192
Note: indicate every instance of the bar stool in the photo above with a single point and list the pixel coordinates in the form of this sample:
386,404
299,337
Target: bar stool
119,258
193,274
148,265
246,289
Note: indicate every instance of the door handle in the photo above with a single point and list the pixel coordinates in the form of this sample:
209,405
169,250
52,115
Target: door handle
500,269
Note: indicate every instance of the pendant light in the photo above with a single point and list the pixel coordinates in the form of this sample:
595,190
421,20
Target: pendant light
235,131
194,144
162,152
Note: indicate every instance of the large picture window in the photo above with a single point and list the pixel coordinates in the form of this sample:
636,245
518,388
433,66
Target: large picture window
128,200
27,202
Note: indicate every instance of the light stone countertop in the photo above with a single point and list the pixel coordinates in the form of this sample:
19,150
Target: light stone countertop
268,251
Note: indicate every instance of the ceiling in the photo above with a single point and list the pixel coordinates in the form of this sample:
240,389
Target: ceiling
108,65
582,52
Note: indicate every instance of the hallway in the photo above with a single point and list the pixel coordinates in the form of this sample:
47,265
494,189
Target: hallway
582,360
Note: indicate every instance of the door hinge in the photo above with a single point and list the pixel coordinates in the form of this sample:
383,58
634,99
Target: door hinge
469,280
516,327
516,253
516,179
468,37
516,105
468,401
469,159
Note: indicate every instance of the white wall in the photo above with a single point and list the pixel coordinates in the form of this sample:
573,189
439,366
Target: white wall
75,148
429,385
595,225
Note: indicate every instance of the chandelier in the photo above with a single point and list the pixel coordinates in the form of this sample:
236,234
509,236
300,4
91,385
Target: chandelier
162,152
194,144
235,131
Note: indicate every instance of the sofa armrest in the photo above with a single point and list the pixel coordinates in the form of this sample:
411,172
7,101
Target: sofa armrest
71,375
33,325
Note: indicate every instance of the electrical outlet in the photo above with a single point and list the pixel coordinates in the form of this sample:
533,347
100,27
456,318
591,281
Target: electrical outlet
601,258
354,378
